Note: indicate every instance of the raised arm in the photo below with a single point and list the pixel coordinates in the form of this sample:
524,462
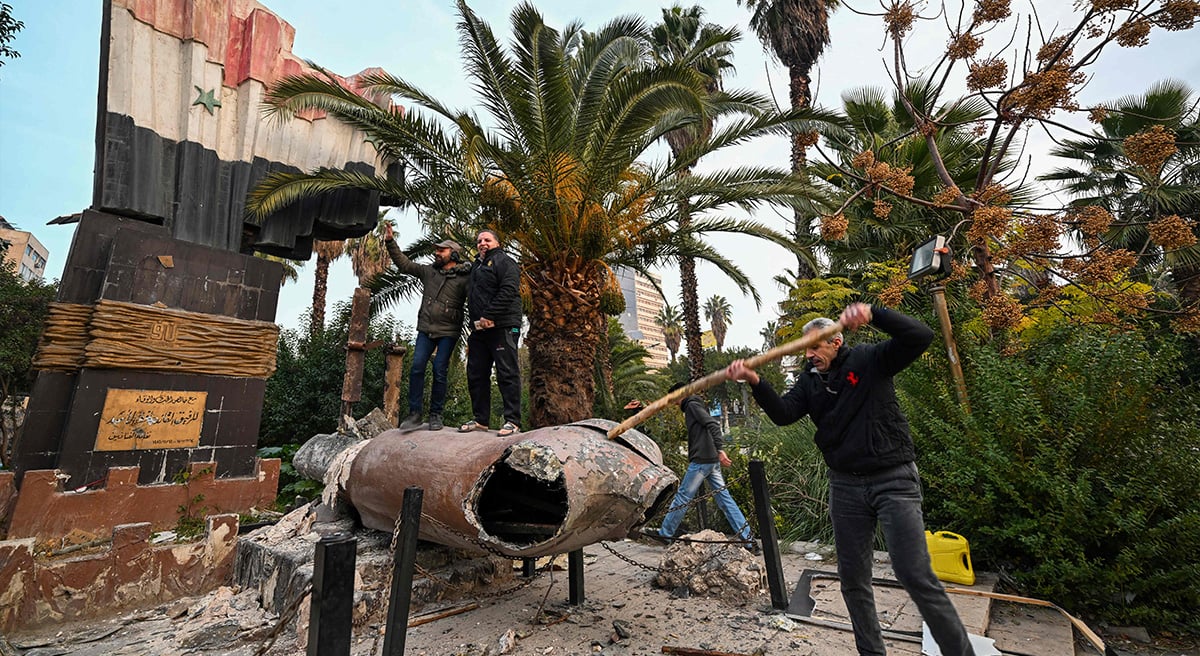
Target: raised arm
909,339
401,260
781,410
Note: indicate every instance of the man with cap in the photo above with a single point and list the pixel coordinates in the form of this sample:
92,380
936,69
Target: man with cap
439,323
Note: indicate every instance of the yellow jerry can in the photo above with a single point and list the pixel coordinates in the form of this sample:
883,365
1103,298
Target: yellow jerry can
950,556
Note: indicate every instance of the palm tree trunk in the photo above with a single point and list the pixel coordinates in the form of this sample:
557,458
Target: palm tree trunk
564,333
320,290
983,261
691,317
800,94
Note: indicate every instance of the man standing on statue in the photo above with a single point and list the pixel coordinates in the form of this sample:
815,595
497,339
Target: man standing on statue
850,396
494,307
439,323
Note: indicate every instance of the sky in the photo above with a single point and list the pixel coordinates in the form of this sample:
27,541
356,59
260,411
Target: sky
48,105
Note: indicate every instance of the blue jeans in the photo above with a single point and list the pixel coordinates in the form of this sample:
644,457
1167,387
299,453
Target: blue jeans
696,474
892,498
424,348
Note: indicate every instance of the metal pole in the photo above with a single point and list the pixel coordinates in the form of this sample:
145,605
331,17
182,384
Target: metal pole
960,384
766,531
404,559
575,576
332,596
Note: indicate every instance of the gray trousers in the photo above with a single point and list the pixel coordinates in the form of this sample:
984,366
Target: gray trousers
892,498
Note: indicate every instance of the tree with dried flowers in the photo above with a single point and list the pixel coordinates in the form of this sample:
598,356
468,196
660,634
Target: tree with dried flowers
1136,184
878,137
1014,245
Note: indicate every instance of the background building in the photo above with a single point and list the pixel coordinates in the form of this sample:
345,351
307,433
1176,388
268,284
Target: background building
642,305
23,250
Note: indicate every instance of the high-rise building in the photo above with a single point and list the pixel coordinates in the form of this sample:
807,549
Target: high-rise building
23,250
642,305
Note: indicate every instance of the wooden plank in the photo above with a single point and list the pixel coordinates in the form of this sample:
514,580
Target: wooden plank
1030,630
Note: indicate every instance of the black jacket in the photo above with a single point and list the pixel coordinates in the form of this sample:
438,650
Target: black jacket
442,293
495,290
704,432
860,428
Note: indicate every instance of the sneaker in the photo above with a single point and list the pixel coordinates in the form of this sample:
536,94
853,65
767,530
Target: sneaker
751,545
472,426
411,422
435,422
653,534
508,428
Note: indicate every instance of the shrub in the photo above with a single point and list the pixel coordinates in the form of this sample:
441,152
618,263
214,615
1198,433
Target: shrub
1075,472
304,396
291,483
797,477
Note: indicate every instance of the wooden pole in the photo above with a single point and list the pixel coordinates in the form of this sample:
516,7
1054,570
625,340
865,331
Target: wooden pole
960,384
356,354
391,381
718,377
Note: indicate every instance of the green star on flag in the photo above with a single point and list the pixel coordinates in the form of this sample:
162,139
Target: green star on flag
207,99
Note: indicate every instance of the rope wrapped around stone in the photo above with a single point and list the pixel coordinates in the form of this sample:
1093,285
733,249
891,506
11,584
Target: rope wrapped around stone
123,335
64,337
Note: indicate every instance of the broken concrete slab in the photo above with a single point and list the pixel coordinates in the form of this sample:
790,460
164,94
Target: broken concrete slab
709,564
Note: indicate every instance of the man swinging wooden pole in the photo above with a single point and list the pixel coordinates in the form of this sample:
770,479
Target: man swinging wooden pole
718,377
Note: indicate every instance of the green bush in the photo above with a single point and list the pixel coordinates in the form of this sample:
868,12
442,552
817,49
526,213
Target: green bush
1075,473
304,396
291,483
797,477
23,308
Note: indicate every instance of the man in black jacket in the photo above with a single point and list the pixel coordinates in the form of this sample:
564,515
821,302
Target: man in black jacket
494,307
864,439
705,458
439,323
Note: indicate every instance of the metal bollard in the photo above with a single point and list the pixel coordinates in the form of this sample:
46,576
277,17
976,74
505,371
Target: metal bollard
332,596
405,558
766,531
575,576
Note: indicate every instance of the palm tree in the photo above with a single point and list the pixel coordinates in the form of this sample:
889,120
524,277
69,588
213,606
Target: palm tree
1137,195
719,315
291,269
623,375
796,32
558,173
327,252
768,333
668,319
683,38
368,255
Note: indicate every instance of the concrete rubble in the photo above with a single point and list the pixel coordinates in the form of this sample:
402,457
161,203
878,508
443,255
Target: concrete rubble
625,613
706,564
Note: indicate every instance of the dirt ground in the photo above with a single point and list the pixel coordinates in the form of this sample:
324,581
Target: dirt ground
623,615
